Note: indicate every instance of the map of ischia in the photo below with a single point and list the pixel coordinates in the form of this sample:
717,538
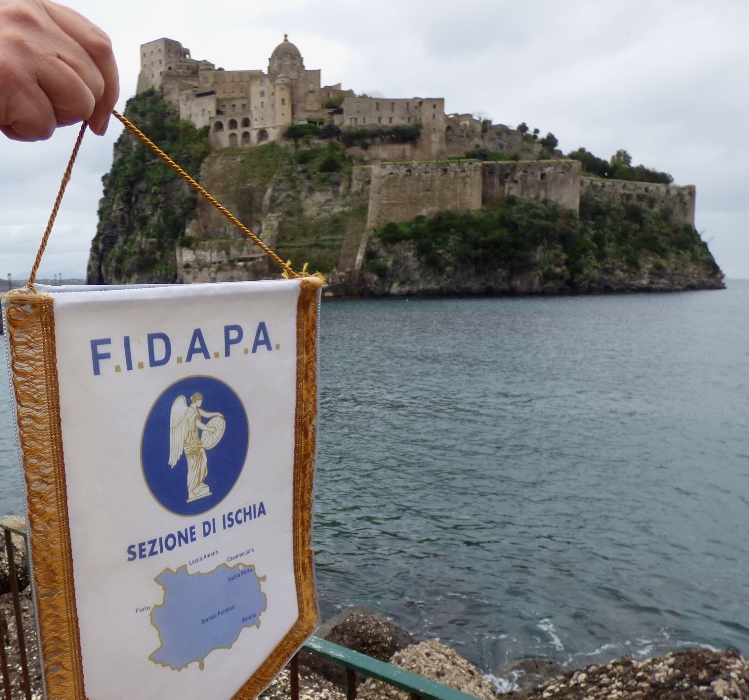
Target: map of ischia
203,612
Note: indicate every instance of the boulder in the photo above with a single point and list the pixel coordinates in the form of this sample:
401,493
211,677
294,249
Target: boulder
363,630
435,661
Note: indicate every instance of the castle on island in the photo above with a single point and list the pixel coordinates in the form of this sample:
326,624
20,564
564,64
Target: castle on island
251,107
245,108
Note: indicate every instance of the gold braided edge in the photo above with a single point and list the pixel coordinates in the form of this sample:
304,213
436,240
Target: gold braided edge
33,360
304,466
287,270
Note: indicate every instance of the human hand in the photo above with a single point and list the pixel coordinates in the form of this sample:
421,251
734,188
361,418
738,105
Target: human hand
56,68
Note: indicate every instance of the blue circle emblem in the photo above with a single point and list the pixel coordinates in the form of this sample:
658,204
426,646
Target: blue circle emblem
194,445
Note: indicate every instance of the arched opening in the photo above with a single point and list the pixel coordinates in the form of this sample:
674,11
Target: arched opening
245,138
218,126
262,135
232,123
246,122
233,139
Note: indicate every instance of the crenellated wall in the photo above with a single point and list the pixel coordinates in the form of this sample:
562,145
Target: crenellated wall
681,200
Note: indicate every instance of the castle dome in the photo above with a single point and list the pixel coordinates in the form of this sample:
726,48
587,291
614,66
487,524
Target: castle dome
286,47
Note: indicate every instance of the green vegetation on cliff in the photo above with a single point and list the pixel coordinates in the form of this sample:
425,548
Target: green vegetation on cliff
363,136
146,205
539,239
299,202
317,216
618,168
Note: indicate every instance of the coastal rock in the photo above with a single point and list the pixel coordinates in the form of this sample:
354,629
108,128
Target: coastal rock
689,675
311,687
528,673
435,661
363,630
400,272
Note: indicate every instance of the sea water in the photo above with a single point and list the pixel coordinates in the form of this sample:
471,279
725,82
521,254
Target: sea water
564,477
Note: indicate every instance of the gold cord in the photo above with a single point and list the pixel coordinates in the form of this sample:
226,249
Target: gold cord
56,207
288,271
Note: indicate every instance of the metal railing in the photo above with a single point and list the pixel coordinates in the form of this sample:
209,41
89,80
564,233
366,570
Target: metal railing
355,663
9,527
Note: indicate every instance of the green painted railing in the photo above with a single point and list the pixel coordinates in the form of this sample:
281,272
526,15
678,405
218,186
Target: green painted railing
417,686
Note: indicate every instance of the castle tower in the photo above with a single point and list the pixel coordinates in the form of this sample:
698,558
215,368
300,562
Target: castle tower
304,85
283,101
159,59
287,59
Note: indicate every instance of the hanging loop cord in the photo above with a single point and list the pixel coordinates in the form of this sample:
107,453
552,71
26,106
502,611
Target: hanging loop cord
56,207
288,272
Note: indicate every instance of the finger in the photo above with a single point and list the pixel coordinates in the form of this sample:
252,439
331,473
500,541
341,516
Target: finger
71,98
29,117
10,133
99,49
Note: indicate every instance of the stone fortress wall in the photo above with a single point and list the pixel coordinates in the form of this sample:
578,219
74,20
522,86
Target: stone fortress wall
679,199
555,180
401,191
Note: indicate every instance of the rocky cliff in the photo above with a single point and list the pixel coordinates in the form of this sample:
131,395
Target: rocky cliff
530,247
146,206
312,201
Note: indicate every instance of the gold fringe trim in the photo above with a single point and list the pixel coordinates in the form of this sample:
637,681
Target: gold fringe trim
33,360
304,466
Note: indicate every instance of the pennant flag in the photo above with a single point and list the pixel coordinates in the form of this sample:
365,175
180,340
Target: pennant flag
168,438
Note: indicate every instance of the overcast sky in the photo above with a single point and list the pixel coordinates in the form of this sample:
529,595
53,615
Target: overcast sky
667,80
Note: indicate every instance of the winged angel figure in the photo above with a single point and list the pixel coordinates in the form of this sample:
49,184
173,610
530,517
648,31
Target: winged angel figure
188,434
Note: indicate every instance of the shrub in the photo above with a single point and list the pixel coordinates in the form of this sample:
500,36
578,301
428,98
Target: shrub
299,131
365,136
304,157
620,167
331,163
485,154
549,142
311,130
